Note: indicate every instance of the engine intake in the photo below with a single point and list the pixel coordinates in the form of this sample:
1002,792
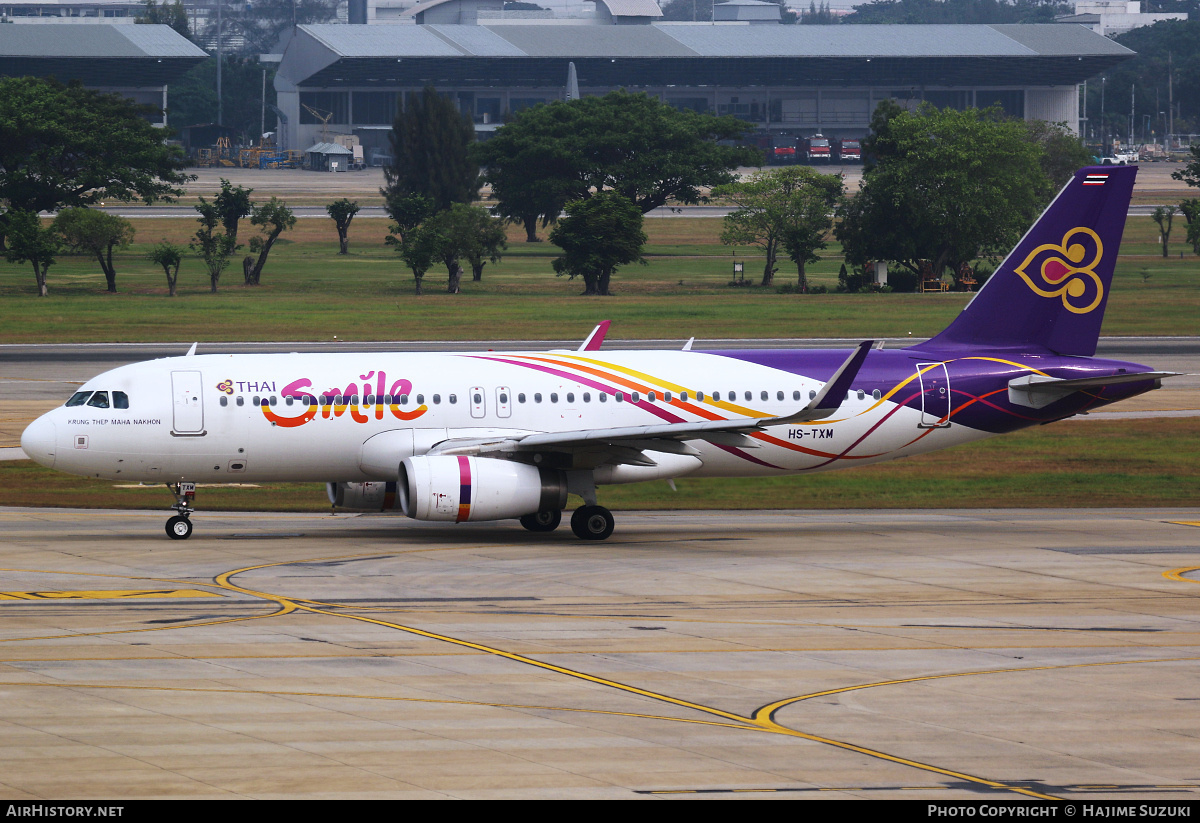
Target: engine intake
459,488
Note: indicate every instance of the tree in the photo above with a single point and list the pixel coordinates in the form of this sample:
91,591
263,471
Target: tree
193,99
789,208
1164,216
598,235
213,248
405,235
1190,173
695,11
96,233
70,146
233,203
947,187
262,24
343,211
274,218
1191,213
169,256
488,239
532,174
649,152
168,14
957,11
418,248
810,217
30,241
430,139
457,233
1062,152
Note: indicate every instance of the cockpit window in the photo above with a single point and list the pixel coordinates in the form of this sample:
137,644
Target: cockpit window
120,400
79,398
99,400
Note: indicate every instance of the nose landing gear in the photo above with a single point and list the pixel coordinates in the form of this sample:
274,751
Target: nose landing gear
179,527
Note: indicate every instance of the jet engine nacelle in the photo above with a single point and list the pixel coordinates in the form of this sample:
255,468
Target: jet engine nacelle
364,497
454,487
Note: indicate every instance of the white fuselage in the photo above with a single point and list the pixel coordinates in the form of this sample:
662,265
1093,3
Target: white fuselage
353,417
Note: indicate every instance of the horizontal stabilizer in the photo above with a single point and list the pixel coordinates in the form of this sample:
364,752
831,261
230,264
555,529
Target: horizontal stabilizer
1037,391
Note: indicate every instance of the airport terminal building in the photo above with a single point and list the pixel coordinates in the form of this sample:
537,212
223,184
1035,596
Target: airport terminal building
799,80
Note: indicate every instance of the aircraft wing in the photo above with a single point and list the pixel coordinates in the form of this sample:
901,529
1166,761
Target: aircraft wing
625,443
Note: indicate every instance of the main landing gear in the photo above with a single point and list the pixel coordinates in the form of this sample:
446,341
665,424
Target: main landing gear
592,523
588,522
179,527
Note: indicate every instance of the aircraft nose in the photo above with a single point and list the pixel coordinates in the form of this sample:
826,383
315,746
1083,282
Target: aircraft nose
38,441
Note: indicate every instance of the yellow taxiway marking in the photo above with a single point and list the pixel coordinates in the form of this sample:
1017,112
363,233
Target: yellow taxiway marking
1178,574
755,723
770,709
106,594
1184,523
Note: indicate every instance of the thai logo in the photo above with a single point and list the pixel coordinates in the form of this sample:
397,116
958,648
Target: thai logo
225,386
1066,270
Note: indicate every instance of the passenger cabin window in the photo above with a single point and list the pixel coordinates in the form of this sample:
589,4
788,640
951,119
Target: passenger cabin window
667,396
224,400
537,397
620,397
241,401
779,395
404,400
603,397
420,399
716,396
750,396
650,396
875,394
453,399
99,400
521,397
682,396
553,397
570,397
79,398
437,399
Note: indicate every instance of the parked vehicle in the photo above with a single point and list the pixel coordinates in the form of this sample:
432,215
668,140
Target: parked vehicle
849,151
783,150
818,149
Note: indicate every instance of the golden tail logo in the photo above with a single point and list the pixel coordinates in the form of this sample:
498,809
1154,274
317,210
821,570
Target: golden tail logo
1065,270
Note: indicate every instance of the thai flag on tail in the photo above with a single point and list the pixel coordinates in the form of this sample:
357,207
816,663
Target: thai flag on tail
1095,180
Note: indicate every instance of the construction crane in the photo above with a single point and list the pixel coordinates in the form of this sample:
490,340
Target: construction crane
324,117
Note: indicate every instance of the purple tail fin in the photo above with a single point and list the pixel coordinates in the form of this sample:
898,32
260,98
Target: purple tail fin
1050,292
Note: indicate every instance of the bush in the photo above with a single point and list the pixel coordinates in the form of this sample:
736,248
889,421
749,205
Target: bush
903,280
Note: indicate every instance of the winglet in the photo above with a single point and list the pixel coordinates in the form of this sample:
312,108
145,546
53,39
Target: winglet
596,337
831,395
688,345
192,350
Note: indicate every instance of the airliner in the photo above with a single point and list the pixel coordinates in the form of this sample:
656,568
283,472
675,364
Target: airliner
491,435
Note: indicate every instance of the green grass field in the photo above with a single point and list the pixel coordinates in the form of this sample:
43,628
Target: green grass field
309,292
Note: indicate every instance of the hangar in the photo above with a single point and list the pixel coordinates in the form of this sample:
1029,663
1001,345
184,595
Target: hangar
137,61
348,79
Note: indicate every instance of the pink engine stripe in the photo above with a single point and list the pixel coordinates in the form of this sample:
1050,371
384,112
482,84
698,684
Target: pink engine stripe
464,489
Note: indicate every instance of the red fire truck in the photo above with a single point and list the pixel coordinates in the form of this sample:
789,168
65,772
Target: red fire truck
818,149
849,151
